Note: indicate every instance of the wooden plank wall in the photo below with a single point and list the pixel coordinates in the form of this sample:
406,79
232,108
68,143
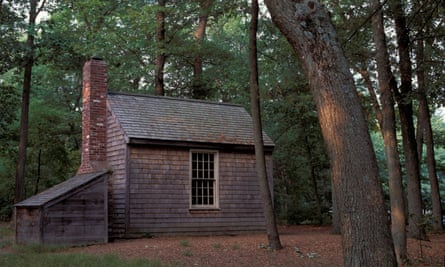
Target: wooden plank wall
79,219
28,225
159,194
116,157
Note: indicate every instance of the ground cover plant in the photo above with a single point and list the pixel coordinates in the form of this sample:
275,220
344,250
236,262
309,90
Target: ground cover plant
303,246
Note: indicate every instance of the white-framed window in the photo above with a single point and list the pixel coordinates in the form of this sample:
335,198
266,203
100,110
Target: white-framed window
204,179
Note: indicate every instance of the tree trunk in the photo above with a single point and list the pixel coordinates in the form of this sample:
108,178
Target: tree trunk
366,237
38,174
317,198
375,104
23,143
336,220
198,86
386,85
404,101
160,58
271,227
424,129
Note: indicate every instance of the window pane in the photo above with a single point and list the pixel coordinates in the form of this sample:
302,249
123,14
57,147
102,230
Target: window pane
203,178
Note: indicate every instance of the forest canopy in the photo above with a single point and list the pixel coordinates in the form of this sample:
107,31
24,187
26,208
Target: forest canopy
204,48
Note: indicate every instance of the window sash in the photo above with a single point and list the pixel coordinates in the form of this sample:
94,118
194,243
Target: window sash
203,179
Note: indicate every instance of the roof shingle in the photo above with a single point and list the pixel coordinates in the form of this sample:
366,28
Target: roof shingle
174,119
59,190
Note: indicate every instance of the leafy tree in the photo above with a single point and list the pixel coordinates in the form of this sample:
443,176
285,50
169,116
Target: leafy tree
160,41
405,107
301,175
198,87
34,10
271,227
124,34
9,100
354,169
386,83
10,51
424,128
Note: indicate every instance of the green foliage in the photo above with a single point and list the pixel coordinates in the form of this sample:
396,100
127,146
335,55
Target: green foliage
216,245
44,255
438,130
75,260
9,101
187,253
301,176
235,247
301,173
54,132
438,125
184,243
54,129
123,33
10,48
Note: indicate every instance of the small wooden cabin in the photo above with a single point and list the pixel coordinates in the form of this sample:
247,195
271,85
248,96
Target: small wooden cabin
177,166
71,213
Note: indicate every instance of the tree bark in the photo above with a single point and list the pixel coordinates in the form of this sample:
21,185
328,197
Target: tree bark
387,83
404,101
366,237
160,58
38,173
424,129
336,218
24,117
309,158
198,86
271,227
375,104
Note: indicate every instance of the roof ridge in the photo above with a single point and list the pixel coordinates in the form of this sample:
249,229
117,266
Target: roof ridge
175,98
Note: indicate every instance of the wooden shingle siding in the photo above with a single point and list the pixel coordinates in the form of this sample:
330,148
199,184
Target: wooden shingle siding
28,225
116,157
79,219
159,196
71,213
134,177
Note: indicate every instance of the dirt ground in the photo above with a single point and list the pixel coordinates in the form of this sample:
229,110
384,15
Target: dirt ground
303,246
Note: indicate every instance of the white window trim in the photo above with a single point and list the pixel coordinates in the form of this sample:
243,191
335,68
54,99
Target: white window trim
216,185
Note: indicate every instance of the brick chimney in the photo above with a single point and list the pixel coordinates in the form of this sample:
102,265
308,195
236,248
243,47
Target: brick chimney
94,131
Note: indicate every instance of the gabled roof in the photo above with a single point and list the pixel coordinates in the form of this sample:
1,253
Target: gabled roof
183,120
60,189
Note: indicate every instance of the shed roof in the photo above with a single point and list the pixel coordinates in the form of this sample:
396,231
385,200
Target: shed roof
60,189
185,120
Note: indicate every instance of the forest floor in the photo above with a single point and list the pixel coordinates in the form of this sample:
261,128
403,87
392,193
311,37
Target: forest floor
302,246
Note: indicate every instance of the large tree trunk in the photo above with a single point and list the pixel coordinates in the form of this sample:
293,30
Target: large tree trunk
198,86
160,58
404,101
366,237
386,85
336,218
424,129
23,143
271,227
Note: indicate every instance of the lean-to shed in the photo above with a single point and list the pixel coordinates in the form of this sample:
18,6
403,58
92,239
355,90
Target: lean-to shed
71,213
